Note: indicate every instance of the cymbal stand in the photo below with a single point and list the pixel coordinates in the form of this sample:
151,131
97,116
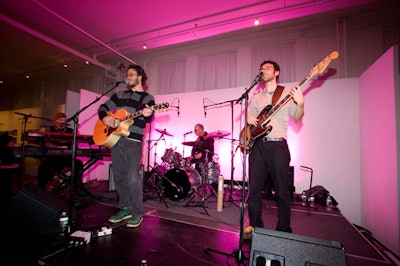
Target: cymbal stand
193,201
148,149
154,180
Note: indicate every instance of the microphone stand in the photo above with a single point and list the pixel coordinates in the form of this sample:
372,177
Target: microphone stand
238,253
230,199
75,119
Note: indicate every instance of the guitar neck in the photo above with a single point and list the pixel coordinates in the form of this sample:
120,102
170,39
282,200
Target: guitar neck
278,106
132,116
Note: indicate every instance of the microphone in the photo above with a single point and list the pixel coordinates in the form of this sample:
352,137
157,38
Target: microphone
179,101
126,81
259,76
204,107
187,133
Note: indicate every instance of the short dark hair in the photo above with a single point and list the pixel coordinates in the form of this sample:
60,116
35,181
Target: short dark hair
275,64
140,71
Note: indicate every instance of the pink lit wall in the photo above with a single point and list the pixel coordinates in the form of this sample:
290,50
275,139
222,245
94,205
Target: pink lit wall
379,124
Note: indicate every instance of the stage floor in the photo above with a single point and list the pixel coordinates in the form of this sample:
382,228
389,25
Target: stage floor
172,233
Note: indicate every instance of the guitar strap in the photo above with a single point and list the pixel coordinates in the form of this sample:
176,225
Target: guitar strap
277,94
140,102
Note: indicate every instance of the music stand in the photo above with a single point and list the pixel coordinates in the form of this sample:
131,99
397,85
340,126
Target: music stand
238,253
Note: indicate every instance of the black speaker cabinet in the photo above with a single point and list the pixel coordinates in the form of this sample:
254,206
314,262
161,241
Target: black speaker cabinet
276,248
34,210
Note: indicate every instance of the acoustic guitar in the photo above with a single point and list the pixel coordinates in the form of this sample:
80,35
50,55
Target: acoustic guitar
107,136
254,133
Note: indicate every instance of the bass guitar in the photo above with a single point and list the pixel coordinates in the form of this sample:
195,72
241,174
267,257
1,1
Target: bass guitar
254,133
107,136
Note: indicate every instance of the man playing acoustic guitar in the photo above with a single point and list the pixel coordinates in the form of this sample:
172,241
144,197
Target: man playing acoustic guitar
126,152
271,151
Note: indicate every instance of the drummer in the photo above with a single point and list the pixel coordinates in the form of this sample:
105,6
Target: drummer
203,146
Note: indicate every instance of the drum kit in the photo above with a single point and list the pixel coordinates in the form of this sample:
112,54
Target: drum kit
178,176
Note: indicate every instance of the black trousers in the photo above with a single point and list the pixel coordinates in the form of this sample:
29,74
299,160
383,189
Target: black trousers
275,157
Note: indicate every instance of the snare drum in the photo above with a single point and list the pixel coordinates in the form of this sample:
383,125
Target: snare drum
172,157
185,163
210,171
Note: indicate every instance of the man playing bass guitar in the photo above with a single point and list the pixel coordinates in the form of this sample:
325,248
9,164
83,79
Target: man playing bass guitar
271,152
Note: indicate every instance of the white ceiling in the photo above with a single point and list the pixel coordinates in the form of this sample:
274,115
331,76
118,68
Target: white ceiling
37,36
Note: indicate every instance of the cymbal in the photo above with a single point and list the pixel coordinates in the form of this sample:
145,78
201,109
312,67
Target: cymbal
189,143
164,132
200,144
218,134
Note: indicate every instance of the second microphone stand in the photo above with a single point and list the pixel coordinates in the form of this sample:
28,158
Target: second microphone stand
238,254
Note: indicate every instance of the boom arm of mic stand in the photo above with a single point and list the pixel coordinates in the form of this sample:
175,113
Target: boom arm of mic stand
245,95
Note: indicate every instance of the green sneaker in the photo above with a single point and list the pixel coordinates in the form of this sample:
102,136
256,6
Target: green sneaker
135,221
123,214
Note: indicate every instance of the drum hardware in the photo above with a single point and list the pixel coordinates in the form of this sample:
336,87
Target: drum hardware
154,184
177,184
172,158
198,144
218,134
186,163
149,148
193,201
163,132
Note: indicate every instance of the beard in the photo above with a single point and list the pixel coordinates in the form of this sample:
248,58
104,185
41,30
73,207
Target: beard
133,83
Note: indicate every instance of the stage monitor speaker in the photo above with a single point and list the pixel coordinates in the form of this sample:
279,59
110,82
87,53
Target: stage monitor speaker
35,210
277,248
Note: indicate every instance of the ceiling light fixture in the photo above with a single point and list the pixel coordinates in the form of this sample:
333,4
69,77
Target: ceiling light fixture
144,46
256,22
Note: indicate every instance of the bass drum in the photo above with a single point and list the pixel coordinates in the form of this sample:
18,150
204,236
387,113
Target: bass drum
176,184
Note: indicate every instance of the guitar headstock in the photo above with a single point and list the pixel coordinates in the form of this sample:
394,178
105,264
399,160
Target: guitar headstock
323,64
161,107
